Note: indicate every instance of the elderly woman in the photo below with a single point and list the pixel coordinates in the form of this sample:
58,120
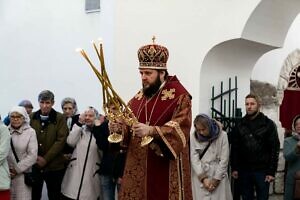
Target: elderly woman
24,142
4,172
209,158
24,103
80,180
69,108
70,111
291,152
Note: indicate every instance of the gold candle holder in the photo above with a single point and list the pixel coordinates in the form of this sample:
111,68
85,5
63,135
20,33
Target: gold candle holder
112,99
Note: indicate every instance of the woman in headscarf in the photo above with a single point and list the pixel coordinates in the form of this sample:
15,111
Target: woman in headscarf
291,152
81,180
70,111
24,142
209,158
69,108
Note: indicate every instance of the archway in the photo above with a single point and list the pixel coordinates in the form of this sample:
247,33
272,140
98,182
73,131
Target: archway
265,30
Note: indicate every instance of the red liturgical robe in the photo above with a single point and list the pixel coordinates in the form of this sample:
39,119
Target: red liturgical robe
160,170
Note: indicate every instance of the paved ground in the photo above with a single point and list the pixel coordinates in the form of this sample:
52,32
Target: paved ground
276,197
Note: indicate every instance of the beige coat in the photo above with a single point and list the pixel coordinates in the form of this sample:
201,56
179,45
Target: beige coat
26,147
79,138
214,165
4,150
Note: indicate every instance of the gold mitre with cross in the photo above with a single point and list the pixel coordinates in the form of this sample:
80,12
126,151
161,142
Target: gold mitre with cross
153,56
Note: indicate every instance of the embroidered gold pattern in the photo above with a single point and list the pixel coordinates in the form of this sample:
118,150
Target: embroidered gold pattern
168,94
166,142
179,180
182,175
139,95
176,126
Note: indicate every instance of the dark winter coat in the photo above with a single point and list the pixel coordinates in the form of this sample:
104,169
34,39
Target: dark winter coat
113,160
255,145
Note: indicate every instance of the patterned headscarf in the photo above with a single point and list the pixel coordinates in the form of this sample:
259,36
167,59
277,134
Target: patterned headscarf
213,128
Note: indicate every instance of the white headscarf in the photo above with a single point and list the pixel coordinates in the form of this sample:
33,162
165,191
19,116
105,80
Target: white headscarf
22,111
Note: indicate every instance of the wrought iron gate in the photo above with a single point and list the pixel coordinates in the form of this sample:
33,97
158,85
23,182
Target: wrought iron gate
224,105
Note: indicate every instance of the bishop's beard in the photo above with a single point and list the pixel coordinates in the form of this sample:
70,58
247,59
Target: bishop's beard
153,88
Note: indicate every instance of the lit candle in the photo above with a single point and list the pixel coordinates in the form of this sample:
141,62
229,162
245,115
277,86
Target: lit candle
78,50
100,40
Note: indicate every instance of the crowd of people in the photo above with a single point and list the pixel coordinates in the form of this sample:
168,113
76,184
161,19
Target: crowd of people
67,151
71,154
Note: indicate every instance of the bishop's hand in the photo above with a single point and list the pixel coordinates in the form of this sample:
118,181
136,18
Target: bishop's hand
141,130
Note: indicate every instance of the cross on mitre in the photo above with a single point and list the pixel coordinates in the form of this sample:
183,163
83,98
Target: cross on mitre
153,39
168,94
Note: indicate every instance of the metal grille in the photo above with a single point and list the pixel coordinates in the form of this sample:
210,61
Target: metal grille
224,105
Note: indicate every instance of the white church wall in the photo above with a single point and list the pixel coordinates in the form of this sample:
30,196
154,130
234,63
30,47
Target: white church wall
189,30
38,41
268,67
270,21
192,30
265,30
227,60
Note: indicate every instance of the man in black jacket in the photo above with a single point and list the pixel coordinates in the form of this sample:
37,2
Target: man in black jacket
255,150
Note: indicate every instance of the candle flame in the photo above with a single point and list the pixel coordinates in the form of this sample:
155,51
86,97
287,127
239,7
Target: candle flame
100,40
79,50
